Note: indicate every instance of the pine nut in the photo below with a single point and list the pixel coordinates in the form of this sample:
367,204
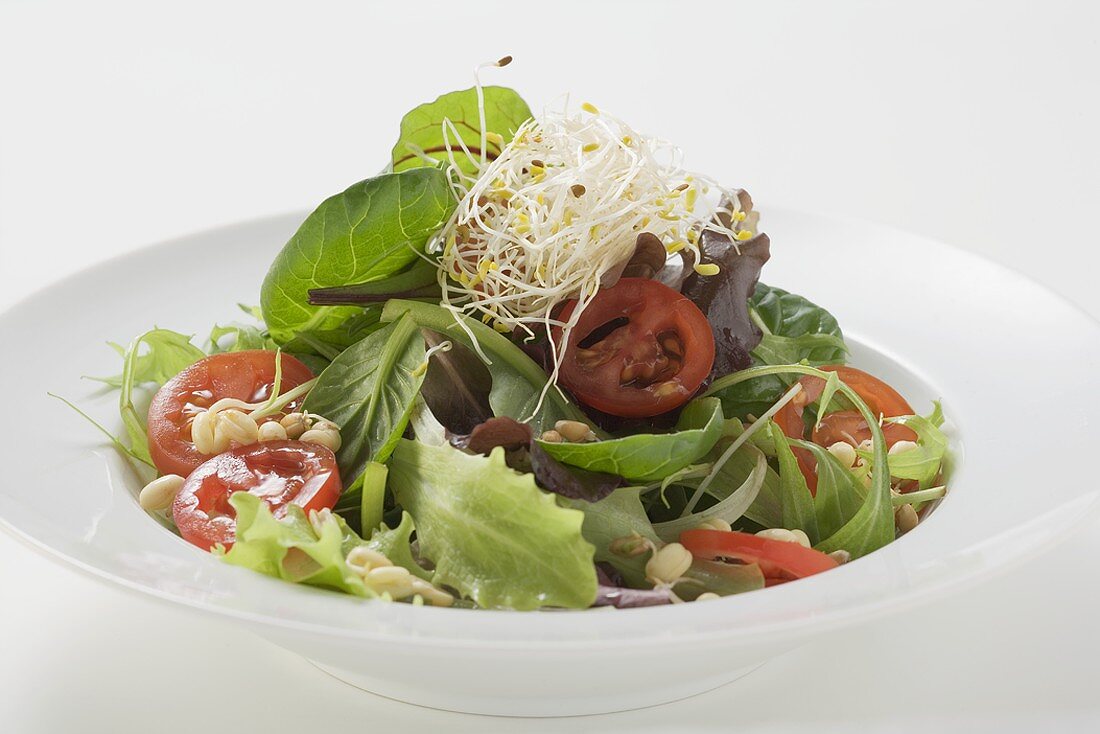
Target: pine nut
394,580
905,517
271,431
844,452
160,493
901,447
668,564
786,536
551,436
574,431
707,596
236,426
363,559
715,523
328,439
202,432
295,424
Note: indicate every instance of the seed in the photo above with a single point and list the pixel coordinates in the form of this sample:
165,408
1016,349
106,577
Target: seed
629,374
672,346
271,431
901,447
715,523
671,387
786,536
630,546
160,493
707,596
328,439
574,431
905,518
844,452
591,108
362,559
435,597
324,424
578,190
202,432
668,564
237,426
841,556
295,424
393,580
551,437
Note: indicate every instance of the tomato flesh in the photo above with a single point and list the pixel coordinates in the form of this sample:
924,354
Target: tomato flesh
281,473
638,350
779,560
247,375
848,426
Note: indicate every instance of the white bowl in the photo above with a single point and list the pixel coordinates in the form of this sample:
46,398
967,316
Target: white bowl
1017,367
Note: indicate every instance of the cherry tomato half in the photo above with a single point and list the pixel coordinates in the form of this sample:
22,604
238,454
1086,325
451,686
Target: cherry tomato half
247,375
779,560
281,473
845,425
639,349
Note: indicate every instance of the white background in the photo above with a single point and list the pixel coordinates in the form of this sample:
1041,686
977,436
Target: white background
975,123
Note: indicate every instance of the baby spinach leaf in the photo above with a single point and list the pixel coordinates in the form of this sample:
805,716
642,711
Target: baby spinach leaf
647,457
517,380
794,329
368,391
329,342
422,127
491,533
374,229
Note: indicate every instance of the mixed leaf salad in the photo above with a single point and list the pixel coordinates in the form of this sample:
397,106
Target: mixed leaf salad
529,365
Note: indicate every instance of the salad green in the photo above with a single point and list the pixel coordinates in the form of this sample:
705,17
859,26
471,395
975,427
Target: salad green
529,365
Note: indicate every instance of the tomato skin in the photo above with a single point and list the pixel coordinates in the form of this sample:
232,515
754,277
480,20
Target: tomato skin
247,375
846,425
651,364
281,473
779,560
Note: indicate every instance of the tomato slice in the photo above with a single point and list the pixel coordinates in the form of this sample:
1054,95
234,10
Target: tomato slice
247,375
846,425
281,473
638,350
779,561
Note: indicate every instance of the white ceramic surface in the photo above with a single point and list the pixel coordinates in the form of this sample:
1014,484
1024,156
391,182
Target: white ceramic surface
935,321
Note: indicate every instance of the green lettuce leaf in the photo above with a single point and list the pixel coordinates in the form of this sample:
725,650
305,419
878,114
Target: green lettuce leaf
291,549
396,545
374,229
648,457
517,380
490,531
422,127
368,391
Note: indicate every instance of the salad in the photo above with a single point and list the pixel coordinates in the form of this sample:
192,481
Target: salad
529,365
